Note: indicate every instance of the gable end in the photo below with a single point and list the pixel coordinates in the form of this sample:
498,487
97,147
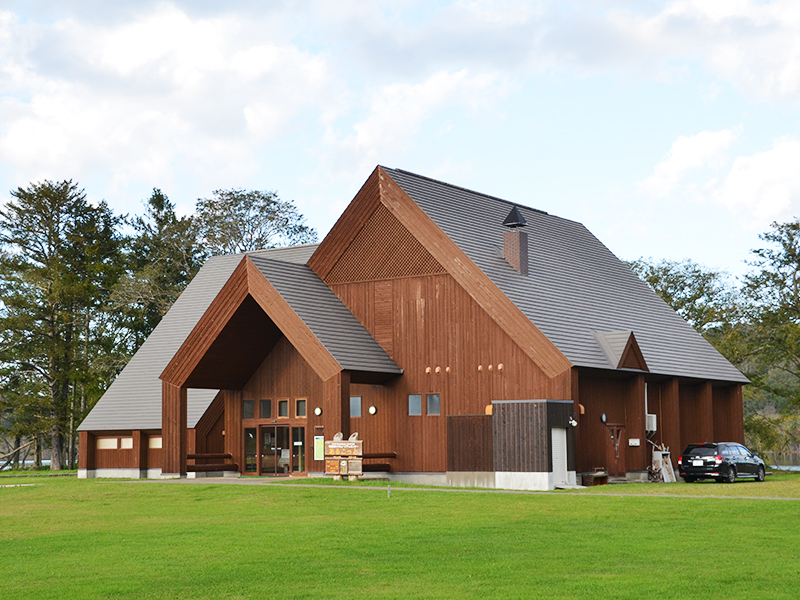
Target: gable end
383,249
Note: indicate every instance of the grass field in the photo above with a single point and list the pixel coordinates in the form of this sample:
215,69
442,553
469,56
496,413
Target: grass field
63,538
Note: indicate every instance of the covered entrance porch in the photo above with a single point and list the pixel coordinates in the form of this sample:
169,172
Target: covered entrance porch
283,350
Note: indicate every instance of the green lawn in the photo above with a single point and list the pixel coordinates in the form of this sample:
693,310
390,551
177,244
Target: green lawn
64,538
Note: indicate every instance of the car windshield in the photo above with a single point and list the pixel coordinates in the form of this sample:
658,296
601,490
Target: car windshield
702,451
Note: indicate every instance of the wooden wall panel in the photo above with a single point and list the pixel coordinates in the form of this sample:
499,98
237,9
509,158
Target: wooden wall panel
209,429
521,438
114,459
285,374
234,433
504,313
436,324
86,450
663,401
598,395
153,457
728,414
469,443
637,458
696,413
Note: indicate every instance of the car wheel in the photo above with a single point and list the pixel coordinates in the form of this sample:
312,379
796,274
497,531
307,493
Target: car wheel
731,476
760,475
688,479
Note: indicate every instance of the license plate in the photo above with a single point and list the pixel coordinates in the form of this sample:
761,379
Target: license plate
697,462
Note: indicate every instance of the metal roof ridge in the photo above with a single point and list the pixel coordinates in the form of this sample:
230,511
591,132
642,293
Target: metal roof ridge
463,189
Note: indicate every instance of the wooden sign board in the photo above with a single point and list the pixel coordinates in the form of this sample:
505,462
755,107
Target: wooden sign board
344,448
344,457
343,466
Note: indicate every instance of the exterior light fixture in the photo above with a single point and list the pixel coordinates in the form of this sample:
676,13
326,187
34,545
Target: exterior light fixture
372,410
318,411
603,417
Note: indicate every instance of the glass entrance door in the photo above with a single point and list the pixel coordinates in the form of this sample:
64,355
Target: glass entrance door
275,450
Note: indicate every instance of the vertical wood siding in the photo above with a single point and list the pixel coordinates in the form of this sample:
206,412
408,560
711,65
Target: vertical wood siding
435,323
728,416
469,443
284,374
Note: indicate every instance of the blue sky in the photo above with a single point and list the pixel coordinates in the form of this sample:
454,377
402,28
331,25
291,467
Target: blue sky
670,129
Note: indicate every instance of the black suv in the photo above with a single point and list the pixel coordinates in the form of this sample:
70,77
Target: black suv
724,461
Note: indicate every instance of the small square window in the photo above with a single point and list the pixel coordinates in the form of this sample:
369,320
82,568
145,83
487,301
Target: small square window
283,408
248,409
434,404
300,408
414,404
266,409
355,406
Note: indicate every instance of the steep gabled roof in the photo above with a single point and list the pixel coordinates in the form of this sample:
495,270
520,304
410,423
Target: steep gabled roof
133,401
381,192
326,317
575,287
262,300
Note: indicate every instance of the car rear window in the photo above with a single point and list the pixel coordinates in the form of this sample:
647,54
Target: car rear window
702,451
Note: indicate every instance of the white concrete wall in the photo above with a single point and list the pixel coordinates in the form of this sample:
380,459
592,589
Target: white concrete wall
507,480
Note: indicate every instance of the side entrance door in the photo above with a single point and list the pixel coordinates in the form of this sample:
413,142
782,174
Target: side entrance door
615,449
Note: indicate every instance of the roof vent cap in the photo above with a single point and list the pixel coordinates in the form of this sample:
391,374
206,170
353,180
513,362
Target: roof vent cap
515,219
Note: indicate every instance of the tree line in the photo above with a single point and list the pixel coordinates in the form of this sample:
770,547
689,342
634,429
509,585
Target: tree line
754,323
81,288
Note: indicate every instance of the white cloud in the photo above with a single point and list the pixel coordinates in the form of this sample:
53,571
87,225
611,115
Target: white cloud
765,186
135,98
398,111
688,153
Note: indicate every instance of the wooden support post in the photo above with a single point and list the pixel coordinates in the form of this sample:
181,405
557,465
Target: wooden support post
669,419
635,456
139,451
736,413
173,429
234,433
705,412
336,405
86,448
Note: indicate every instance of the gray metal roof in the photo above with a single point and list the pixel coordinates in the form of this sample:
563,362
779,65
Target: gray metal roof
328,319
133,401
575,287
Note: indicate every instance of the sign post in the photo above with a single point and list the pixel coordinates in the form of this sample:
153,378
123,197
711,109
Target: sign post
344,458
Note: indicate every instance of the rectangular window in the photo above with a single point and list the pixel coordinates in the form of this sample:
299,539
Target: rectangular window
283,408
355,406
248,409
106,443
300,407
126,443
434,404
414,404
266,409
154,442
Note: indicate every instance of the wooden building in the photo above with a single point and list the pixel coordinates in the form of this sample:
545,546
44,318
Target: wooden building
468,340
